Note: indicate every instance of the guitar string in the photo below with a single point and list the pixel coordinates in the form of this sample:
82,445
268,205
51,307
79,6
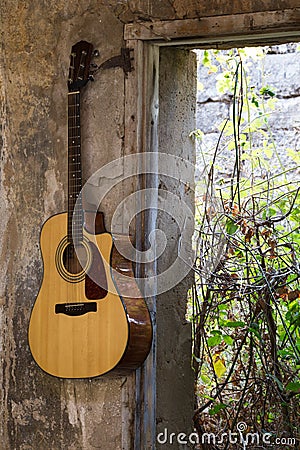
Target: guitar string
71,157
74,228
74,161
70,187
75,175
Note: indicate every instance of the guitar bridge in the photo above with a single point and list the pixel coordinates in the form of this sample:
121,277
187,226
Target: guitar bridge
75,309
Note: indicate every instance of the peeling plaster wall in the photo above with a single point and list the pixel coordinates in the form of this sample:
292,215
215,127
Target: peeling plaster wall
38,411
144,10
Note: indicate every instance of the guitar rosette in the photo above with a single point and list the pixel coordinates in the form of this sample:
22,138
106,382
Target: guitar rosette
162,211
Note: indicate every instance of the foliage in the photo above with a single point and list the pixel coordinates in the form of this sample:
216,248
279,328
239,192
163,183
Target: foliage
246,299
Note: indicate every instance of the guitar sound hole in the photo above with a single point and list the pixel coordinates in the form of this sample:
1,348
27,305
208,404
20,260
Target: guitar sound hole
75,261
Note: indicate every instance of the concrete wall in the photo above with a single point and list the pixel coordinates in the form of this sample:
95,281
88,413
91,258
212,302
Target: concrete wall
175,384
136,10
38,411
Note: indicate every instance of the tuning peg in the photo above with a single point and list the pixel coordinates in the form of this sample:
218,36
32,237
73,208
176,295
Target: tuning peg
91,78
96,53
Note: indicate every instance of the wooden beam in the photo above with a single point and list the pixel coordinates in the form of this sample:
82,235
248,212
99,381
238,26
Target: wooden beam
141,96
267,23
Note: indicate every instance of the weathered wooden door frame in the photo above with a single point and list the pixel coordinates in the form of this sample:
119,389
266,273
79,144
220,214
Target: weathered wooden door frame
141,101
141,132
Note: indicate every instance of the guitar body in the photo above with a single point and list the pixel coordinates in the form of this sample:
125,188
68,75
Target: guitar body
74,334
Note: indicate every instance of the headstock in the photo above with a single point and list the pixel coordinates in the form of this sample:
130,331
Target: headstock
79,71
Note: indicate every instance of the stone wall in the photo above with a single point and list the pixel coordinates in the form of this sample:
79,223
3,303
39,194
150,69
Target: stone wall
279,70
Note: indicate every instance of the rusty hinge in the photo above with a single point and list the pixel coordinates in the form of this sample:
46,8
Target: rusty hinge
124,60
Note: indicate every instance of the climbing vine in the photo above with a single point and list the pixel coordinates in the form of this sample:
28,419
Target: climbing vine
245,306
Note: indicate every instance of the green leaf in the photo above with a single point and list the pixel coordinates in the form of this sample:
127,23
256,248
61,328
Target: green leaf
214,340
233,324
294,154
206,58
284,353
206,380
223,306
268,151
214,332
231,226
228,339
213,68
255,101
293,386
272,212
231,145
266,90
198,134
217,408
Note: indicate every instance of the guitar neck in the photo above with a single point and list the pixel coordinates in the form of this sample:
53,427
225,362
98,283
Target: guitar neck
75,220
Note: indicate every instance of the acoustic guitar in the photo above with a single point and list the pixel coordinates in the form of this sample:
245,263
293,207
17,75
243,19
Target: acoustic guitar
81,324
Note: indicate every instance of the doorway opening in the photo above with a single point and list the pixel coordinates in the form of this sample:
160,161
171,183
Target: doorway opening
245,305
153,108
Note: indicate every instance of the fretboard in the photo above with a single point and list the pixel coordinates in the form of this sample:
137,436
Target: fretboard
75,221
